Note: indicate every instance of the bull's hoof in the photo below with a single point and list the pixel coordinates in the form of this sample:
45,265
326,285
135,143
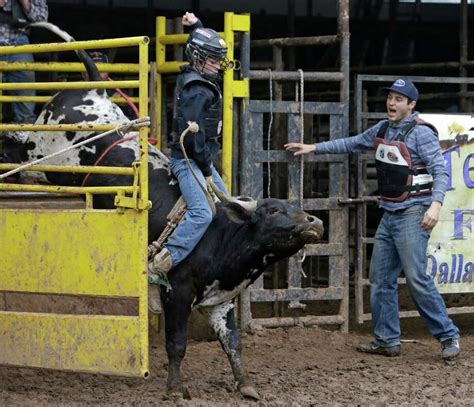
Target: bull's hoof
249,392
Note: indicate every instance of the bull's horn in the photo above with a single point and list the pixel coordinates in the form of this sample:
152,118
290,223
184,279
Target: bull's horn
220,195
250,205
245,202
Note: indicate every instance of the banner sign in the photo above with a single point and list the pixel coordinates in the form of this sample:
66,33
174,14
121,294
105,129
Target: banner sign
451,246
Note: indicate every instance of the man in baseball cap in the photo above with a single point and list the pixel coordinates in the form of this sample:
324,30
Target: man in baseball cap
412,182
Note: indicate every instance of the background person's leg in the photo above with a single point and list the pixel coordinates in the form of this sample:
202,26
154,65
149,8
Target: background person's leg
412,241
385,268
23,112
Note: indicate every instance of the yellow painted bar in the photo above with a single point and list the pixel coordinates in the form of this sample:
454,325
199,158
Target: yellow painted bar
82,169
45,99
142,216
82,343
143,110
59,189
35,99
56,127
172,39
227,111
76,252
72,46
240,89
120,100
241,22
66,67
69,85
170,67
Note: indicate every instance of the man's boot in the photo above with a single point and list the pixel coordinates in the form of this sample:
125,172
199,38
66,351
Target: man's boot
161,263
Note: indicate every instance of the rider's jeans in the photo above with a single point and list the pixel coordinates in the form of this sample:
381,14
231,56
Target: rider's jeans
198,216
401,244
23,112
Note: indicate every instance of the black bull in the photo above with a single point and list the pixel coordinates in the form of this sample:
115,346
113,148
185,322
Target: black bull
239,244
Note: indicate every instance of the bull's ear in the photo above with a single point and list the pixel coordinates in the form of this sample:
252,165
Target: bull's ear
237,213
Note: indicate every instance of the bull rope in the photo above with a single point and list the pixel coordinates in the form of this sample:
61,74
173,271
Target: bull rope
301,135
193,127
133,125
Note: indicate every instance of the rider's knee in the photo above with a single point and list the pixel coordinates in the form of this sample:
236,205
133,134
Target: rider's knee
203,215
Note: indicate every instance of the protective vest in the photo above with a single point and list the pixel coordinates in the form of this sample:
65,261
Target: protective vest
213,119
397,177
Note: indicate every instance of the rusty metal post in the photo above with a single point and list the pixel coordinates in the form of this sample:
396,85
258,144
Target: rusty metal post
291,32
463,56
278,65
339,173
177,49
343,29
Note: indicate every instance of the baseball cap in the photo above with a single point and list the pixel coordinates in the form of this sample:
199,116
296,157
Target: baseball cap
405,87
99,57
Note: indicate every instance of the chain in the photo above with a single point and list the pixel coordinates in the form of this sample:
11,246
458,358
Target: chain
269,133
301,255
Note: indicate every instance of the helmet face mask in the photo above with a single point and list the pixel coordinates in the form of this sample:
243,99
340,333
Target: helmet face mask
207,53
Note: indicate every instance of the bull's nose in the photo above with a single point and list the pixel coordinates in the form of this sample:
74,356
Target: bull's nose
311,219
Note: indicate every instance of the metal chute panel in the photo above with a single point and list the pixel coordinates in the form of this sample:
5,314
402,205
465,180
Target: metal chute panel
74,253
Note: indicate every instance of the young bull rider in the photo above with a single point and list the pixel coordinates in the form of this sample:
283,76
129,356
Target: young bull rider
197,98
412,181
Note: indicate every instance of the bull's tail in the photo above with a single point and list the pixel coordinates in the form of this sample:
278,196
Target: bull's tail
89,64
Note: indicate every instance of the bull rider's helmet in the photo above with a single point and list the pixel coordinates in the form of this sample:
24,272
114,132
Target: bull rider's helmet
205,43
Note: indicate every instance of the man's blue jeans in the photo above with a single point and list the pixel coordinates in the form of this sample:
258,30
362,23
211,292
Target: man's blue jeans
198,216
23,112
401,244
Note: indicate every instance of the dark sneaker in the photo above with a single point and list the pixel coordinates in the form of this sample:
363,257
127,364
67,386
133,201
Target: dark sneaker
374,348
450,348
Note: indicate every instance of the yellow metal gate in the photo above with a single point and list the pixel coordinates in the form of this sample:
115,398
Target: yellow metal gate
81,253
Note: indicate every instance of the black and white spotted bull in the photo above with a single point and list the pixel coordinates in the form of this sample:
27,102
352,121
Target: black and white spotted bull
240,243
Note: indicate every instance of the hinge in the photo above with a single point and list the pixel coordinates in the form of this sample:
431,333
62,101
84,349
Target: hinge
134,201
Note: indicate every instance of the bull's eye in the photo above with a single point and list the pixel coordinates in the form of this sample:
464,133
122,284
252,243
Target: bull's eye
273,210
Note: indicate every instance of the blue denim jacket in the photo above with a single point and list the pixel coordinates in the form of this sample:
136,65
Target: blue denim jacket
424,148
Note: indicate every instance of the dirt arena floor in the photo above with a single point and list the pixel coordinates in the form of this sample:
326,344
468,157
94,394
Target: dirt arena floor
290,367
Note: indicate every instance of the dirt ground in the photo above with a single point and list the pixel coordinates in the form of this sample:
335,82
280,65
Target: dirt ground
290,367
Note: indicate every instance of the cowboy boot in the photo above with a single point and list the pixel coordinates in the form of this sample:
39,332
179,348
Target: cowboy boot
161,263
